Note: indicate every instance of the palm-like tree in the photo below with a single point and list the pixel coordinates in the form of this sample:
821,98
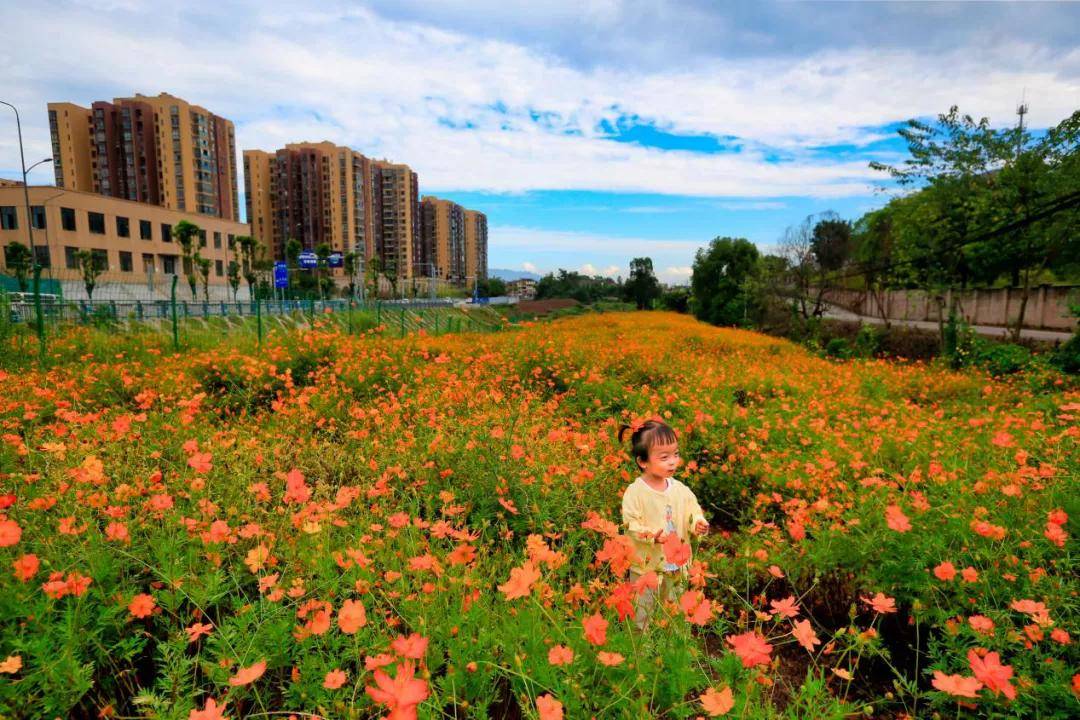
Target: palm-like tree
185,233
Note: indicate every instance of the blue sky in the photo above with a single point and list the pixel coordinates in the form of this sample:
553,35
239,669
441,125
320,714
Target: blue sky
590,131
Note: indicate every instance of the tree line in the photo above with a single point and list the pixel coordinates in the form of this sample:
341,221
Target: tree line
973,206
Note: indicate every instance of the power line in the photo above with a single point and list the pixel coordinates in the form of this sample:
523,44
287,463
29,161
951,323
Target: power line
1052,208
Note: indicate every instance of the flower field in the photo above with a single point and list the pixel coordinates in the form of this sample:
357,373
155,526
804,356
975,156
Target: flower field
357,526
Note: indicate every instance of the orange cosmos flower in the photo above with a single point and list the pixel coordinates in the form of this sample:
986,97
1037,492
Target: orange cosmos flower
804,633
414,646
11,665
990,672
787,607
521,581
210,711
26,567
10,532
351,617
595,629
142,605
200,463
334,679
896,519
676,551
957,685
609,658
548,708
197,630
560,655
751,648
881,603
717,703
945,571
250,674
400,694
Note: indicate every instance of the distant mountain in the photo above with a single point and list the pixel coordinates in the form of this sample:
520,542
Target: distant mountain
504,274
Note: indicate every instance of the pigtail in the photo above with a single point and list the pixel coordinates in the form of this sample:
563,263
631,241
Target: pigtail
622,431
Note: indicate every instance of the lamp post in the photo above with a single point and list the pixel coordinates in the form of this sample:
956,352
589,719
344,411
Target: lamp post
30,233
26,188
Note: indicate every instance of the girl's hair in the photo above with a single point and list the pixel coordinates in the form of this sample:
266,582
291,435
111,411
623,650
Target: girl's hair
650,433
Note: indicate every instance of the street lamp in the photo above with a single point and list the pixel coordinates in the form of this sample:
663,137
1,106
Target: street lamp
26,188
30,233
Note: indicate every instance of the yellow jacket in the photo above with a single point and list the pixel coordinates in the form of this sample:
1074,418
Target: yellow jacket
644,511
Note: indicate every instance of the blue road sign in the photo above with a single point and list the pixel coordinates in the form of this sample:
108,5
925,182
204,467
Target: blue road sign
309,260
281,275
336,259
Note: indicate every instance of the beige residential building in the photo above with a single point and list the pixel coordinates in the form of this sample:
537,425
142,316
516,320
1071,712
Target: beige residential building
159,149
476,242
132,241
397,234
442,239
524,288
317,193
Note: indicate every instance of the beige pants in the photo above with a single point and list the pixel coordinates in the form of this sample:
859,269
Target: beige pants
670,589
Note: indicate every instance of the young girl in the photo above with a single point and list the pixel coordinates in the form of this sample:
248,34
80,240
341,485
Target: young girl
655,506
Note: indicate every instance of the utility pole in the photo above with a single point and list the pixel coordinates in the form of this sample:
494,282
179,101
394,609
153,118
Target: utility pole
1021,111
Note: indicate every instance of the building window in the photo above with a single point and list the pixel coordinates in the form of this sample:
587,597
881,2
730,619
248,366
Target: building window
219,268
232,241
8,219
148,263
202,238
70,260
168,264
126,263
67,218
166,232
217,240
123,226
96,222
146,230
37,216
100,258
41,252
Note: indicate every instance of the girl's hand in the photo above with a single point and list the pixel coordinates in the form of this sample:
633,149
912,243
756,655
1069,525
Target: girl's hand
701,527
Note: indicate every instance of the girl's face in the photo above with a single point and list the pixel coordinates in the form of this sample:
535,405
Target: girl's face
663,460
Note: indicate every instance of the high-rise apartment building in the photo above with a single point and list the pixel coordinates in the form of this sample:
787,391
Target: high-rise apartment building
397,237
476,240
317,193
159,150
442,239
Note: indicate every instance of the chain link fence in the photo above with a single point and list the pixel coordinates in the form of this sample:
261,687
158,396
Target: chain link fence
44,310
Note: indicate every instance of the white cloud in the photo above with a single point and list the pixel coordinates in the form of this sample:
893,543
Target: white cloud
388,89
529,267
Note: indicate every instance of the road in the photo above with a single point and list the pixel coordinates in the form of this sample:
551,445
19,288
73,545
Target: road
836,313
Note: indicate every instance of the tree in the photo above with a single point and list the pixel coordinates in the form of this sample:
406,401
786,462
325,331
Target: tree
247,246
872,244
202,265
719,281
184,233
491,287
349,263
19,261
91,266
322,255
372,273
1037,176
642,288
234,277
831,242
293,248
806,278
953,161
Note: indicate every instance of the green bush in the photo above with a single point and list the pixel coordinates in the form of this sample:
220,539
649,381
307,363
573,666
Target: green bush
838,348
1002,358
